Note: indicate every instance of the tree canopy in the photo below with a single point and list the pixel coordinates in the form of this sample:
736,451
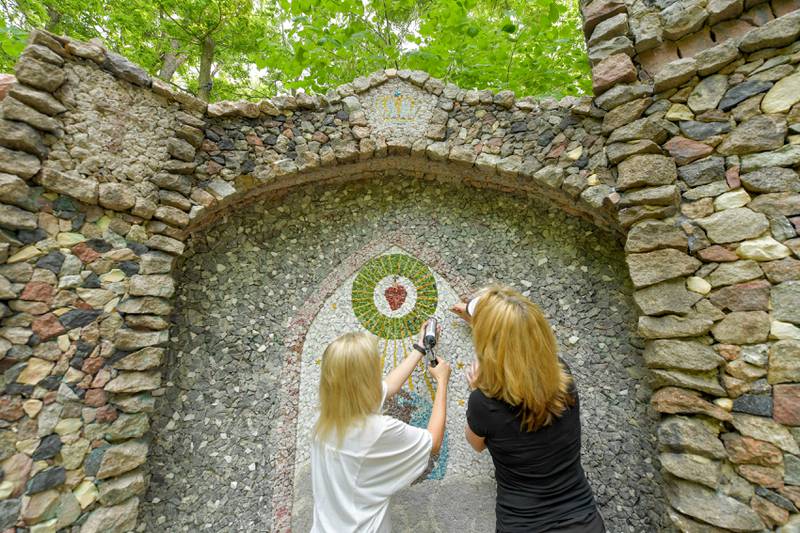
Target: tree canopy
249,49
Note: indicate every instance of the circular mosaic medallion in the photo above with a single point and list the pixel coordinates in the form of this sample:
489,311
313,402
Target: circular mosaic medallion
393,295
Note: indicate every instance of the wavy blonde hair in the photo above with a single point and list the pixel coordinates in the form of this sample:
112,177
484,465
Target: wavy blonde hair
518,356
349,386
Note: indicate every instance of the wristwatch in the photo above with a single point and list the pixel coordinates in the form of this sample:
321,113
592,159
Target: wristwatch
419,348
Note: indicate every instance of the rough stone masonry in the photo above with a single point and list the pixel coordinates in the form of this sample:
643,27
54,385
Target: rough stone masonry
689,150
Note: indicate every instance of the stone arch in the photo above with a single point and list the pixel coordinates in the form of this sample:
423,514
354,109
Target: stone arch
690,147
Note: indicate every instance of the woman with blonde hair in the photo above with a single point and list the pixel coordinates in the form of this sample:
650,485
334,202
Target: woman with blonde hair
525,409
360,458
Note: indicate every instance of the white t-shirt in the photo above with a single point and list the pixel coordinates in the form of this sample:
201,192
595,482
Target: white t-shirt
353,483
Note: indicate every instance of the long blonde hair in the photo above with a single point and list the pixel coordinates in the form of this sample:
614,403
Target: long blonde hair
518,356
349,385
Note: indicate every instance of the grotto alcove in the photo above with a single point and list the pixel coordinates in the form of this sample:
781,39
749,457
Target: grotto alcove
263,288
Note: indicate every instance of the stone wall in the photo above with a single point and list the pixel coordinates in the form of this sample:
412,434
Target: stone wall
105,173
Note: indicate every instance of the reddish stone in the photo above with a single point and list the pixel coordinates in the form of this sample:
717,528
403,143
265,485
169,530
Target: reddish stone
6,81
106,414
288,133
717,254
772,515
748,450
696,42
782,7
80,304
673,400
557,150
95,397
253,139
732,177
770,477
796,223
598,11
786,269
750,296
85,253
101,379
729,351
209,146
786,404
614,69
37,291
92,365
50,397
730,29
319,137
684,150
759,15
654,59
47,326
11,408
16,469
212,167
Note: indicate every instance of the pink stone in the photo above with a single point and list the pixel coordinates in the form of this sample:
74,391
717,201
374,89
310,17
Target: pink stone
598,11
730,29
729,351
92,365
85,253
47,326
37,291
717,254
696,42
786,404
95,397
101,379
16,469
614,69
6,81
782,7
106,414
750,296
732,177
766,476
684,150
11,408
652,60
212,167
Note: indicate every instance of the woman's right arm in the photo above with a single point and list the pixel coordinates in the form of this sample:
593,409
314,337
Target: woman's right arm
436,424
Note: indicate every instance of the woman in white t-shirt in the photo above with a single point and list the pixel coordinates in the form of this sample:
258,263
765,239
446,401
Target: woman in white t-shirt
360,458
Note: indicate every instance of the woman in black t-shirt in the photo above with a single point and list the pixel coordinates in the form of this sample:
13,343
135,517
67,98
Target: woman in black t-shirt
525,410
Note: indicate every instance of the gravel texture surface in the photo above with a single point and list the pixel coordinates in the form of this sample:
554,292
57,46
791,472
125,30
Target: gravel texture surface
219,447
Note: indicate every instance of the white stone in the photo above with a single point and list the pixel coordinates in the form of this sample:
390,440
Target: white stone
783,330
698,285
783,95
763,249
731,200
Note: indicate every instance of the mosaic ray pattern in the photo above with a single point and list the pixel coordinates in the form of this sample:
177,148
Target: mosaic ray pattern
393,295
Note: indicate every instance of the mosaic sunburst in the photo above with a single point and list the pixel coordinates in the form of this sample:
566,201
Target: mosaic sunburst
393,295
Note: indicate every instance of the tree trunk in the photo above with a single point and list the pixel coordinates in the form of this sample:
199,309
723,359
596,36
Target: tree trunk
206,59
53,17
171,61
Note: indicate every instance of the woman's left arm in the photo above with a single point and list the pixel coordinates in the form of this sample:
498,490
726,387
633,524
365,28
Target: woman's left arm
395,379
478,443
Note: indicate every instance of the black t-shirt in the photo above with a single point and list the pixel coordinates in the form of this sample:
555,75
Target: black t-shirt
540,481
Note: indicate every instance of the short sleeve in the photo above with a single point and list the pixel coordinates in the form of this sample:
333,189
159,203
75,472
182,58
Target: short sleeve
398,457
477,414
384,393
